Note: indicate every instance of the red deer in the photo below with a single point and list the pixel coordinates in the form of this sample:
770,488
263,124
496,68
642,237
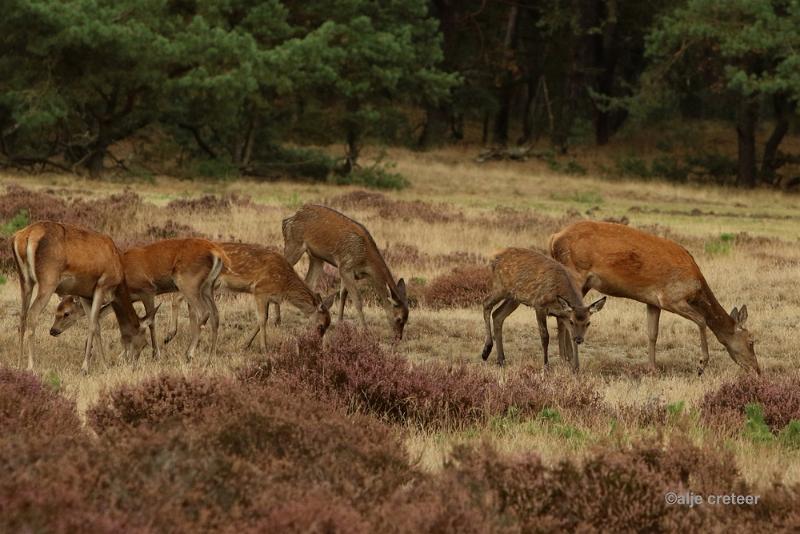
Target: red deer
71,260
245,261
269,278
624,262
328,236
522,276
190,266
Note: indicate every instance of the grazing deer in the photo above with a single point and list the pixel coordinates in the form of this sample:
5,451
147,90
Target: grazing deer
246,260
624,262
523,276
257,270
190,266
71,260
330,237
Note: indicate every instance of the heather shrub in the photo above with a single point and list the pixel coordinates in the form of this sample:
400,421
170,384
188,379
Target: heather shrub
27,406
387,208
201,204
212,453
463,287
352,370
777,395
155,402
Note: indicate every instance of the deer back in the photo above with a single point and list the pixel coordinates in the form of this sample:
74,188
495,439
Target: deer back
533,279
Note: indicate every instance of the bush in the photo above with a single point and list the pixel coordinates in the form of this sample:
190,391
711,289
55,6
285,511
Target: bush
463,287
28,407
352,370
307,163
669,168
721,245
261,452
387,208
17,222
375,177
191,454
718,166
777,395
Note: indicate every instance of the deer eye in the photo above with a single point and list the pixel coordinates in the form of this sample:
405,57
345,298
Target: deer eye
66,314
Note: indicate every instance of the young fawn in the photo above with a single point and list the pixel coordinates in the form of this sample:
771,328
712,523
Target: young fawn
624,262
522,276
328,236
265,274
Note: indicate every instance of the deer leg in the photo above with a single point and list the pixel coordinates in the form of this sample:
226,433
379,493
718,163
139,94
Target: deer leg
685,310
177,301
653,315
488,304
564,346
26,291
315,267
342,300
94,315
86,304
259,321
277,307
498,317
149,303
349,283
194,328
46,289
704,349
211,305
544,335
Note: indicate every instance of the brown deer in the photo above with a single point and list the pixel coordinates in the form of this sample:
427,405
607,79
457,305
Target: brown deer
71,260
330,237
266,275
246,260
523,276
624,262
190,266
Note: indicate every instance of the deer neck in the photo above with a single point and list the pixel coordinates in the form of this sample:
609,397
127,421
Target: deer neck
303,300
123,309
717,319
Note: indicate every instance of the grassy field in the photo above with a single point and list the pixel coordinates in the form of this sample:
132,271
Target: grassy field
457,212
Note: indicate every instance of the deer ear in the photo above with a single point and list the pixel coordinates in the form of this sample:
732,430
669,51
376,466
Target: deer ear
742,316
328,301
735,314
565,305
401,289
391,296
597,305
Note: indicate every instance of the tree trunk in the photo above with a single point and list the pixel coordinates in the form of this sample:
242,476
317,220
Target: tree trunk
783,109
436,127
529,110
438,117
505,90
746,123
576,79
94,163
606,60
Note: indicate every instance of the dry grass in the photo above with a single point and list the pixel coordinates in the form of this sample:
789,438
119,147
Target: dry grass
484,208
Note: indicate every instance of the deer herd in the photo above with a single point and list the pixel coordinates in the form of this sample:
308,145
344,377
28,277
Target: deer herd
92,277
